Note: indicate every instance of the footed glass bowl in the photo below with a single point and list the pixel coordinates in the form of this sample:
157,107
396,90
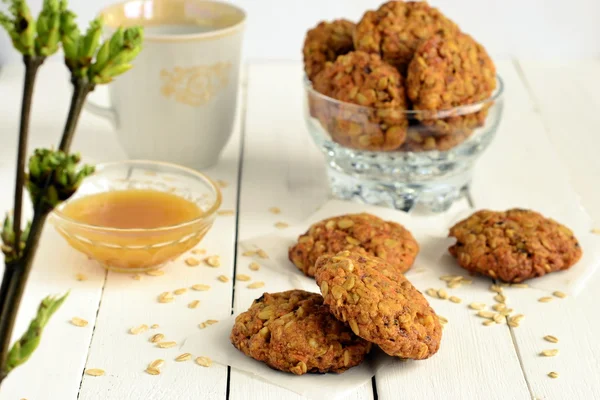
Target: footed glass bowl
398,158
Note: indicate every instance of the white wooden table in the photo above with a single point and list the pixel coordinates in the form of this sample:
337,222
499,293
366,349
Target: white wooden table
550,136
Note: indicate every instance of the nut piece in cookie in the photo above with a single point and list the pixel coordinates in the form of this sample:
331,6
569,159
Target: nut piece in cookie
396,29
324,43
379,304
293,331
356,232
370,113
513,245
448,72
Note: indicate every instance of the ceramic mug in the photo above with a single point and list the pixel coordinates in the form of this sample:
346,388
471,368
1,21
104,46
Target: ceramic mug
178,103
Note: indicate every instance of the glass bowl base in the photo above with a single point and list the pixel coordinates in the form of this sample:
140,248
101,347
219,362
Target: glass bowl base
436,196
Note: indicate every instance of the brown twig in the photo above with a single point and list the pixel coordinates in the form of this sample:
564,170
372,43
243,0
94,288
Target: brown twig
81,88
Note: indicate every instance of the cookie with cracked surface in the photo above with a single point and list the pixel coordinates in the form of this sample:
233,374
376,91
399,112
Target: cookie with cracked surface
370,113
293,331
379,304
513,245
395,30
449,72
324,43
357,232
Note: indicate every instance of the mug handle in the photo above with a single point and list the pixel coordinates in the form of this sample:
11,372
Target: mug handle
108,113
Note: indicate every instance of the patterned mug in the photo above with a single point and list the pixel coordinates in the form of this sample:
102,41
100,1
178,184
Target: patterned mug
178,103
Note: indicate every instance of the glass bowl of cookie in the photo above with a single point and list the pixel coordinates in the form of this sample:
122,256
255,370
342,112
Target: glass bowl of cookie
401,104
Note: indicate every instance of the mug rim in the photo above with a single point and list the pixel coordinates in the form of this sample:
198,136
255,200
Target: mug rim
158,37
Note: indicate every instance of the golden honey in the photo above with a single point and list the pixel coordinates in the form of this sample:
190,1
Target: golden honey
133,230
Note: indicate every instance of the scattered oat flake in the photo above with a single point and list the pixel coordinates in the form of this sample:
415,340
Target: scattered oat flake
432,292
488,322
179,291
442,294
157,363
94,372
496,288
498,318
157,338
513,324
156,272
222,183
549,352
249,253
154,326
194,304
553,375
204,361
192,262
262,254
81,277
213,261
211,321
80,322
455,299
559,294
202,325
596,231
165,297
448,278
546,299
485,314
519,285
226,212
477,306
443,320
275,210
200,287
223,278
281,225
500,298
183,357
256,285
136,330
453,284
499,307
254,266
242,277
199,251
152,371
551,339
166,345
137,277
517,318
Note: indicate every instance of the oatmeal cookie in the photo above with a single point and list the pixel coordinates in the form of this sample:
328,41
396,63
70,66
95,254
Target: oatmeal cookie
356,232
513,245
420,139
293,331
396,29
324,43
379,304
447,73
362,79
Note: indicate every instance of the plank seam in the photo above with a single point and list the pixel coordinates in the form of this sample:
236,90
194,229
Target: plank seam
93,332
471,202
244,96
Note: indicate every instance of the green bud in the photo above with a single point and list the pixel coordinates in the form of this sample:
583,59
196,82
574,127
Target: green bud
48,28
116,42
26,345
69,35
101,58
20,26
125,45
109,73
91,41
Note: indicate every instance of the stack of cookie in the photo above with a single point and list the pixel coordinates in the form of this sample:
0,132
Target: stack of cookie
358,261
404,56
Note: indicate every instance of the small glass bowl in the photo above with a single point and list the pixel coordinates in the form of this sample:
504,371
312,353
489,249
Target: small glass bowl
398,158
139,250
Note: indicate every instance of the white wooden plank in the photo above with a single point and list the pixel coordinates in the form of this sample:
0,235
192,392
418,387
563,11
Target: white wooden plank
127,303
278,152
282,168
567,97
535,177
61,355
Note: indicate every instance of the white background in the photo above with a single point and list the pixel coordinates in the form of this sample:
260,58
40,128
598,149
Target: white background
530,29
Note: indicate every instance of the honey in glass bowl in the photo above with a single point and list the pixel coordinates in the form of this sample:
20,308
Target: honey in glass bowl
135,216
